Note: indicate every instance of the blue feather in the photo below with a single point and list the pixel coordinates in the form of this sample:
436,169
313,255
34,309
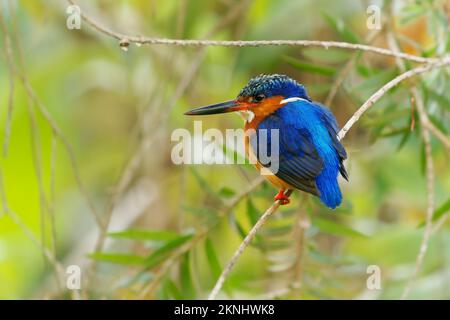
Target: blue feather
310,155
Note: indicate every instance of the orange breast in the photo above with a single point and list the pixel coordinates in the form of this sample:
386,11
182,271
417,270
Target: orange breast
267,107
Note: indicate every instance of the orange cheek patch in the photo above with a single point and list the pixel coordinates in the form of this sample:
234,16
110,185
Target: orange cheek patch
263,109
268,106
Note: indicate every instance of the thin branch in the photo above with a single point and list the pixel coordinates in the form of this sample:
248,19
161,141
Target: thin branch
394,82
245,243
346,69
9,61
58,268
436,132
424,120
430,195
226,210
123,38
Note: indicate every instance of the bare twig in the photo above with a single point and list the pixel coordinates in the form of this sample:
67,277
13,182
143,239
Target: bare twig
241,43
9,59
436,132
424,120
377,95
247,240
430,195
58,268
346,69
226,210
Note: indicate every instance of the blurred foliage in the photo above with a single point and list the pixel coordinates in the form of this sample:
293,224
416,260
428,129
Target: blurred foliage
173,228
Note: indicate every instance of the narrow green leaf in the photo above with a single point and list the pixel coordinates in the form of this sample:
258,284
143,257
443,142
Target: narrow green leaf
330,56
395,132
331,227
438,123
240,230
158,255
172,290
117,258
410,13
188,291
439,212
404,139
211,256
310,67
142,234
375,81
363,70
440,99
340,27
226,192
423,159
252,212
203,183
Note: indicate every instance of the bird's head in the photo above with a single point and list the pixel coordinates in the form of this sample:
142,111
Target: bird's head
260,97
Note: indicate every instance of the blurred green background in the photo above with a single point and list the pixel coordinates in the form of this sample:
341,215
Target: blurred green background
172,228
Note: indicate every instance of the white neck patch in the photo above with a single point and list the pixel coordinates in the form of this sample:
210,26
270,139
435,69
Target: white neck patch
247,115
292,100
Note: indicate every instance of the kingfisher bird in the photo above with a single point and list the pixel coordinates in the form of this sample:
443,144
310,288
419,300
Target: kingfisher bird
310,155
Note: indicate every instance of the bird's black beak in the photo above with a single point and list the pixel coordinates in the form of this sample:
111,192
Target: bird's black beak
224,107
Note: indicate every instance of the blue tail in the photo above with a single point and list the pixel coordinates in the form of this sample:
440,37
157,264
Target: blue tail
327,183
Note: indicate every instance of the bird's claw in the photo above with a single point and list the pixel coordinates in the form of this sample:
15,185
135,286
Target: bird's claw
282,198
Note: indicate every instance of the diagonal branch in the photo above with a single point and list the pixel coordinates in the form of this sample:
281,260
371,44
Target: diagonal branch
388,86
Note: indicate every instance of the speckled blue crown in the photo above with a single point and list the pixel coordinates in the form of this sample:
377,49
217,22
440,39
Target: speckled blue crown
274,85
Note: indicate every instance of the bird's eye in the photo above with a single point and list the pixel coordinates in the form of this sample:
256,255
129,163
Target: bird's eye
259,97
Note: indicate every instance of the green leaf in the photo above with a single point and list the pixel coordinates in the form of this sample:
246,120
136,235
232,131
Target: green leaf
404,139
233,155
395,132
187,285
310,67
117,258
423,159
363,70
410,13
203,183
226,192
172,290
319,88
438,123
331,227
241,231
211,256
142,234
330,56
439,212
252,212
340,27
375,81
439,98
159,255
277,230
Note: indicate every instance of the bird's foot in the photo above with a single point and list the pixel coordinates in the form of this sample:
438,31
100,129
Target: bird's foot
284,199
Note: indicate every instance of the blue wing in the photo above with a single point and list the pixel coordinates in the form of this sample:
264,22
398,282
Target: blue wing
300,158
297,160
330,123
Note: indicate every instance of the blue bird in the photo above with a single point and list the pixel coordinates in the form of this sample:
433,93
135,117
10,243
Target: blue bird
309,156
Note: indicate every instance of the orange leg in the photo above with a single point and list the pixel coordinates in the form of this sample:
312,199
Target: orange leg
284,199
